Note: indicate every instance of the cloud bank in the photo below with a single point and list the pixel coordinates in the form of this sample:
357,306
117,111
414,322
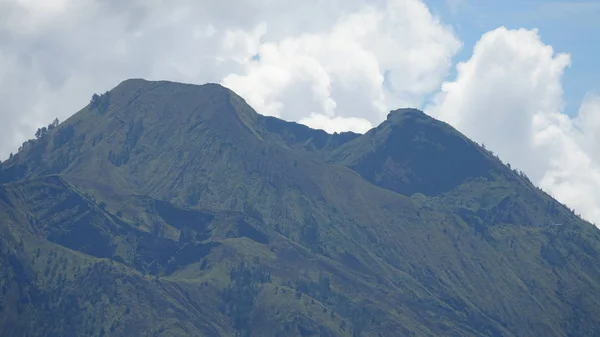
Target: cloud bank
336,65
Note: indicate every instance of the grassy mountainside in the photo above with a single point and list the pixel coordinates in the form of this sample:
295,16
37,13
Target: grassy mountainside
194,215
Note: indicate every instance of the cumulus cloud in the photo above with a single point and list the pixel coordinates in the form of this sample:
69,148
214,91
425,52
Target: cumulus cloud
509,96
573,174
331,64
336,123
367,62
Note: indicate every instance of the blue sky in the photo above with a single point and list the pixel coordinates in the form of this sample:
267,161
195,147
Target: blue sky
568,26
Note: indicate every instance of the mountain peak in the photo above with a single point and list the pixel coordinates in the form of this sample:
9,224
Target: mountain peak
399,114
135,120
188,96
204,101
412,152
141,83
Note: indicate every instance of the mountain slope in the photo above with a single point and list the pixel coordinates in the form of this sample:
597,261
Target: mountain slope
129,296
51,290
413,153
271,228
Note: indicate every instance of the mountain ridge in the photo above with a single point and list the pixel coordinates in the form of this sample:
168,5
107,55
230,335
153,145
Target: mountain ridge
238,223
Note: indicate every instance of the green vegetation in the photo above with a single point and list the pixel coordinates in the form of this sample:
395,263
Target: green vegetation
166,209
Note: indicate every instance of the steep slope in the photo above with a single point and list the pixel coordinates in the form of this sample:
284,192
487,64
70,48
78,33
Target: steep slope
415,155
112,138
408,229
177,142
411,152
418,156
47,280
55,281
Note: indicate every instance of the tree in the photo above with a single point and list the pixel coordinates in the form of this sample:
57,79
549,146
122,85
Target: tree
53,124
95,100
41,132
100,102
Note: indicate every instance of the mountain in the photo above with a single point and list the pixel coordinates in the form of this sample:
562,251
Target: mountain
174,210
411,153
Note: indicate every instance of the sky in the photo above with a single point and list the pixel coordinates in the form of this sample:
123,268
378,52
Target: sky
521,77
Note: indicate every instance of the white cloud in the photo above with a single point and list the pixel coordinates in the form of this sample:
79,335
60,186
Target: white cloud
336,123
587,123
340,59
368,62
573,175
508,95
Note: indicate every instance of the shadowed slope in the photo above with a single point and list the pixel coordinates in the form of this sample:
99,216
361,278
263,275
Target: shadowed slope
411,152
